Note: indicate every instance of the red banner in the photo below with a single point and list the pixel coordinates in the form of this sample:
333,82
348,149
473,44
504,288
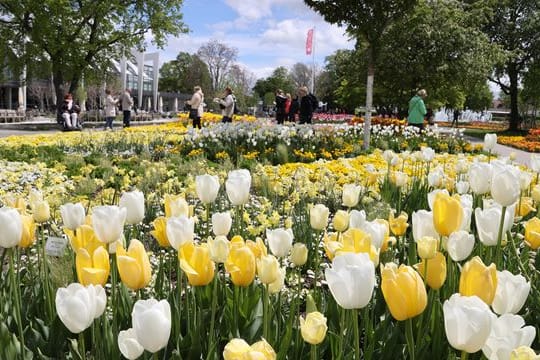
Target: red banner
309,42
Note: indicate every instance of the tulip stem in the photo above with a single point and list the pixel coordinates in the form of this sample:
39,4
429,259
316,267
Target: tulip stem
343,329
313,352
82,346
499,239
464,355
409,336
266,300
213,315
356,334
368,342
16,291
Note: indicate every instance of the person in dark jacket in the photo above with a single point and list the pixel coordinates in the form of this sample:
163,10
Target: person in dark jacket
293,109
280,106
306,106
70,113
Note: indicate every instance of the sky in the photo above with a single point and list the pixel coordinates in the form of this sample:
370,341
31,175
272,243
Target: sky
266,33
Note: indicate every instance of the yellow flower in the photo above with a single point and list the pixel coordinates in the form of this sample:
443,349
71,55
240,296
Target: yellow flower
525,206
84,237
447,214
398,225
524,353
403,291
196,263
436,270
265,349
176,205
478,279
299,254
354,241
92,268
28,231
241,265
134,265
267,269
313,328
341,220
532,233
235,349
427,247
160,231
257,247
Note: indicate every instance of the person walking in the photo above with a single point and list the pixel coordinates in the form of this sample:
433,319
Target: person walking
306,105
417,109
280,100
227,105
110,109
196,103
127,103
455,119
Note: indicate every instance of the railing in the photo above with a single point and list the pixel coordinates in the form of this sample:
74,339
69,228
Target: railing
10,116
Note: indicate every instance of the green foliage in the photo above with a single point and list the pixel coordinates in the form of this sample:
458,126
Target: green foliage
183,73
280,79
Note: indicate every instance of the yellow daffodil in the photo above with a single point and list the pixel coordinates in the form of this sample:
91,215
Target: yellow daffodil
241,265
160,231
532,233
403,291
134,265
92,268
478,279
447,214
196,263
436,270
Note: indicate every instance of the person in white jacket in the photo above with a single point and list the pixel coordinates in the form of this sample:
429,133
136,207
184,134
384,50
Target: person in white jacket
197,109
110,109
227,105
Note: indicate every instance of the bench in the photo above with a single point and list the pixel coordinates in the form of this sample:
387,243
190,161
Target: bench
10,116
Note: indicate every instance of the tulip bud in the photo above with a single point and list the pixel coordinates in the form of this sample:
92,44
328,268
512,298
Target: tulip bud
28,237
436,271
160,231
447,214
267,269
427,247
422,225
77,306
313,328
299,254
221,223
128,344
207,187
398,225
467,322
41,212
480,178
403,291
264,348
460,245
490,140
92,268
235,349
73,215
152,323
357,219
241,265
318,217
280,241
277,285
219,248
478,279
11,224
134,265
133,202
351,194
237,186
485,219
511,294
341,220
462,187
427,153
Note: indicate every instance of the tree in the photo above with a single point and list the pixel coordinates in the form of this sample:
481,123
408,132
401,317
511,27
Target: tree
280,79
241,81
78,38
367,21
218,57
183,73
514,26
301,74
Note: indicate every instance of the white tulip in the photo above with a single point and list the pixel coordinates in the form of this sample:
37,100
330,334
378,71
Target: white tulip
377,230
207,187
151,322
467,322
480,178
401,179
511,294
108,222
180,230
460,245
351,195
357,219
487,224
11,226
73,215
351,280
133,202
221,223
428,154
237,186
534,163
280,241
218,248
525,179
462,187
507,333
436,177
388,155
422,225
318,217
505,187
490,140
77,306
277,285
128,344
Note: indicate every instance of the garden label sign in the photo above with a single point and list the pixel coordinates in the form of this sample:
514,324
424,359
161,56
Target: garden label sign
55,246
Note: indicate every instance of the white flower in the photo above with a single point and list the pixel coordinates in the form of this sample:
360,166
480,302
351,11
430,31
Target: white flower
221,223
238,185
280,241
128,344
180,230
11,226
152,323
507,333
480,178
73,215
505,187
77,306
108,222
133,202
511,294
207,187
490,140
460,245
351,194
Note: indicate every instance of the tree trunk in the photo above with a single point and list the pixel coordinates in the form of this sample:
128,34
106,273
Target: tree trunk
369,97
514,92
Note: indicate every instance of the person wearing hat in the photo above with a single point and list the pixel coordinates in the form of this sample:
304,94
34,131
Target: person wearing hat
417,109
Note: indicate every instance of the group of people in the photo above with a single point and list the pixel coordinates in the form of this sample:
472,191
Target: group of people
196,104
303,104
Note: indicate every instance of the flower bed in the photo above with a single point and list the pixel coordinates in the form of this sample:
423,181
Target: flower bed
186,256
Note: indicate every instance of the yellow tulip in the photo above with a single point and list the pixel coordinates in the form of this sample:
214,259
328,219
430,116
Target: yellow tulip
28,231
341,220
41,211
257,247
84,237
92,268
267,269
478,279
403,291
525,206
237,241
524,353
134,265
176,205
398,225
299,254
447,214
196,263
241,265
235,349
427,247
160,231
436,270
16,202
265,349
313,328
532,233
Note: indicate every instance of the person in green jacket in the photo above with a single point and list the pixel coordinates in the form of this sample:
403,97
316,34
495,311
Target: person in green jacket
417,109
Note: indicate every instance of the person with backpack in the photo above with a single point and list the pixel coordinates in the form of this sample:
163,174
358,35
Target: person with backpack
306,105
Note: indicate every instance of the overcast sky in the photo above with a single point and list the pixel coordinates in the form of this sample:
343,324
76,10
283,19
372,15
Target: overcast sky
267,33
